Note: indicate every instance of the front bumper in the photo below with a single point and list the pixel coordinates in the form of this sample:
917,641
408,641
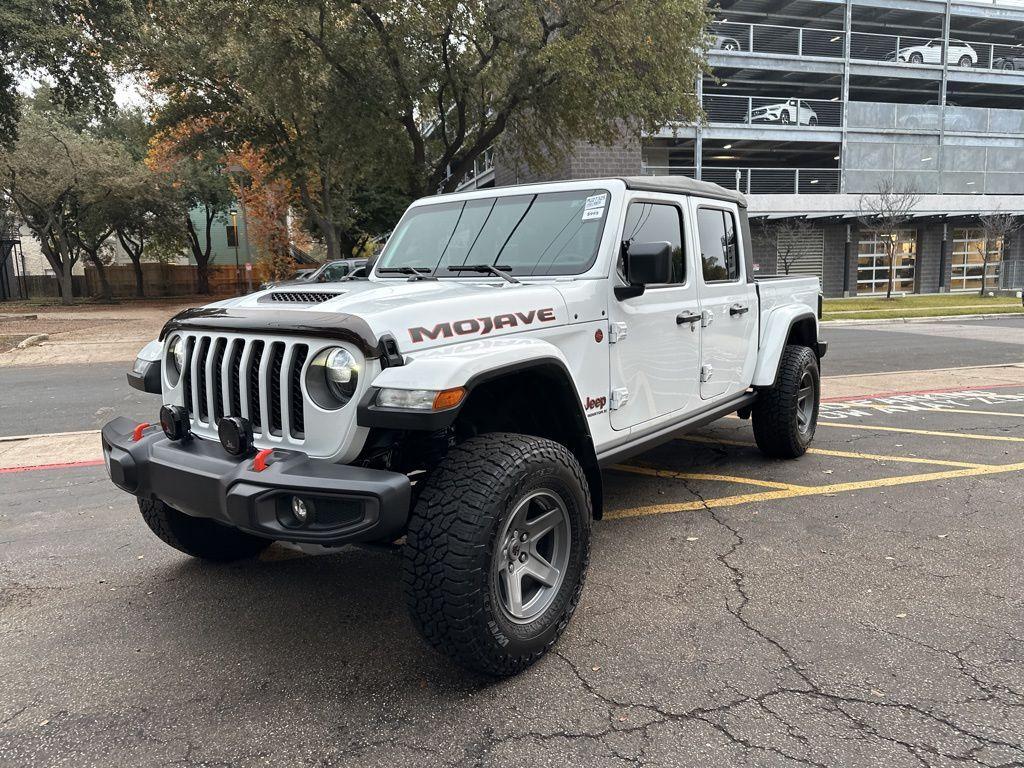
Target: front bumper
198,477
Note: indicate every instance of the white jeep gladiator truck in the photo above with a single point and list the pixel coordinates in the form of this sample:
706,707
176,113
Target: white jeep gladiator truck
462,398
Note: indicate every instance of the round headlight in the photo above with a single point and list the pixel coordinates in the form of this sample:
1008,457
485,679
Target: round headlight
332,378
175,358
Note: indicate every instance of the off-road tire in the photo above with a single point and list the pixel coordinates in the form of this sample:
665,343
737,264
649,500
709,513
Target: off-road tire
775,415
453,535
197,536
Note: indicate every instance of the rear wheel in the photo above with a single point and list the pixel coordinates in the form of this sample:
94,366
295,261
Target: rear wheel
1008,66
784,417
965,61
497,550
198,536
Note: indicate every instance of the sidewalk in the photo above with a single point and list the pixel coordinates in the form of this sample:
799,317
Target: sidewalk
87,334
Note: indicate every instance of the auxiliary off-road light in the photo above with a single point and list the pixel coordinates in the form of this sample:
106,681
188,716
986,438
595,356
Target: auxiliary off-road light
421,399
175,422
235,435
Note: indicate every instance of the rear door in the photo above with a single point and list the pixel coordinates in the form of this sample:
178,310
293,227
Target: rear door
728,302
655,351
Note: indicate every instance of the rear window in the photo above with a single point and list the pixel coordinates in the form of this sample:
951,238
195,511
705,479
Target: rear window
551,233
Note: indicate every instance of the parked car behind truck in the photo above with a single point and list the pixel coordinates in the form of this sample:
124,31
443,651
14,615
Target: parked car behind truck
507,345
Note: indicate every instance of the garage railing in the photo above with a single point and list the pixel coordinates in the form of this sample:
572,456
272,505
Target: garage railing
758,110
813,42
773,38
905,50
760,181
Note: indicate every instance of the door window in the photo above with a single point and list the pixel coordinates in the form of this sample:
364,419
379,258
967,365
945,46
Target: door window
719,252
873,261
656,223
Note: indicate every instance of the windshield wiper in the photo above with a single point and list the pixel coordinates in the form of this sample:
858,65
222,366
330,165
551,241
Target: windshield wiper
501,271
414,273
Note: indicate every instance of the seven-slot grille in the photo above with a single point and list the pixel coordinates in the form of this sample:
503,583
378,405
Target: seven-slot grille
258,380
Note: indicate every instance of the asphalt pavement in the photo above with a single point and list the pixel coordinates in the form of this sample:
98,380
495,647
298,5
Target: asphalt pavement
61,398
858,607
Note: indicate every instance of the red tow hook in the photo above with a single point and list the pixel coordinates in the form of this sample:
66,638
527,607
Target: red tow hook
137,434
260,462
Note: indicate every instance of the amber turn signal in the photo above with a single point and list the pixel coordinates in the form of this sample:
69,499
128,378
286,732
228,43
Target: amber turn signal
448,398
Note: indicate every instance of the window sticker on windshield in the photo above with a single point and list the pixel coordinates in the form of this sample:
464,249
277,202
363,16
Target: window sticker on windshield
593,213
596,201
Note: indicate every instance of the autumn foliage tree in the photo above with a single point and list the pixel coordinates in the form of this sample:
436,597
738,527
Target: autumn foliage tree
266,198
198,175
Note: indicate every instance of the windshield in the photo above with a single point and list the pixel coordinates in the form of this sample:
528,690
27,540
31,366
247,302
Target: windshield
551,233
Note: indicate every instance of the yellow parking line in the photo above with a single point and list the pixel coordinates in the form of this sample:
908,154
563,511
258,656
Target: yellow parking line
820,490
849,454
652,472
898,409
928,432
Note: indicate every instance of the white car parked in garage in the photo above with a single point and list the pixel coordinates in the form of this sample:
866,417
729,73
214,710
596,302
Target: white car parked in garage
793,111
960,53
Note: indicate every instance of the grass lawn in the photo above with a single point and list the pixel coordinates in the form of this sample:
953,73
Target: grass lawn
919,306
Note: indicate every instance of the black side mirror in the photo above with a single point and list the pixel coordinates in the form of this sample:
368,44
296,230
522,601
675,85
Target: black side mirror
645,264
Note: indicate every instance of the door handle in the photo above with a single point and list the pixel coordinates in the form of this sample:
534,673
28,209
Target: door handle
687,316
738,309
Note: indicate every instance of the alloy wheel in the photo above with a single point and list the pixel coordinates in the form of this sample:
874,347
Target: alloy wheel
532,556
805,403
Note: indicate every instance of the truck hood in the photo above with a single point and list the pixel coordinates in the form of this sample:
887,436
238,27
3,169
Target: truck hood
420,314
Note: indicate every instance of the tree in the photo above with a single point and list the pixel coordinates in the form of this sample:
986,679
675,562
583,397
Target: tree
370,95
786,238
886,211
41,177
71,43
200,180
996,228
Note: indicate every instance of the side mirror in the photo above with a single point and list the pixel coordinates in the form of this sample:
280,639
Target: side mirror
645,264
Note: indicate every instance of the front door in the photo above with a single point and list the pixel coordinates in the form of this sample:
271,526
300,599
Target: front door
728,304
655,349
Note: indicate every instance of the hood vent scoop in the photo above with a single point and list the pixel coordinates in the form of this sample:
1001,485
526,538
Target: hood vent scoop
301,297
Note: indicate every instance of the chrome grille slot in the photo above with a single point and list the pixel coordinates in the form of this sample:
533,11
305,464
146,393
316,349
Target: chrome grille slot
295,408
255,412
202,376
274,385
216,369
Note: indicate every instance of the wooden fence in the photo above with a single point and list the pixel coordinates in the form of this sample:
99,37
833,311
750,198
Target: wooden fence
164,280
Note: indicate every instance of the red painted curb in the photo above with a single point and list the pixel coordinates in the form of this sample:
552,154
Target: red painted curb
91,463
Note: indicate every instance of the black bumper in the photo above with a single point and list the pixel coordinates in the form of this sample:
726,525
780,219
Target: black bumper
199,478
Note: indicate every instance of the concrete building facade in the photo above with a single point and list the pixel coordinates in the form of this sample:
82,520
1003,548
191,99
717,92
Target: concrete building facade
814,106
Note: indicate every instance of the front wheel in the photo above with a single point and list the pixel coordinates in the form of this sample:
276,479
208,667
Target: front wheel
496,551
785,118
784,417
916,58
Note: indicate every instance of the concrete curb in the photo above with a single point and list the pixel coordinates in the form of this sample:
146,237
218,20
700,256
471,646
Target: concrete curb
930,318
33,340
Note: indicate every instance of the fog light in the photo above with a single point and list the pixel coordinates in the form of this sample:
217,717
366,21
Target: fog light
300,511
174,422
235,435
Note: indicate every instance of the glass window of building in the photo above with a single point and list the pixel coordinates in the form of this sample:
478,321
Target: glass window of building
968,262
873,262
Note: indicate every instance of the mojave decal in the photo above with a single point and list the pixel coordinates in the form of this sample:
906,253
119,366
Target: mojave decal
481,325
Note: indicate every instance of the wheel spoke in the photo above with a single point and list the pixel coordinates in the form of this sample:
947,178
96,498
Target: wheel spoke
537,528
541,570
806,392
513,581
